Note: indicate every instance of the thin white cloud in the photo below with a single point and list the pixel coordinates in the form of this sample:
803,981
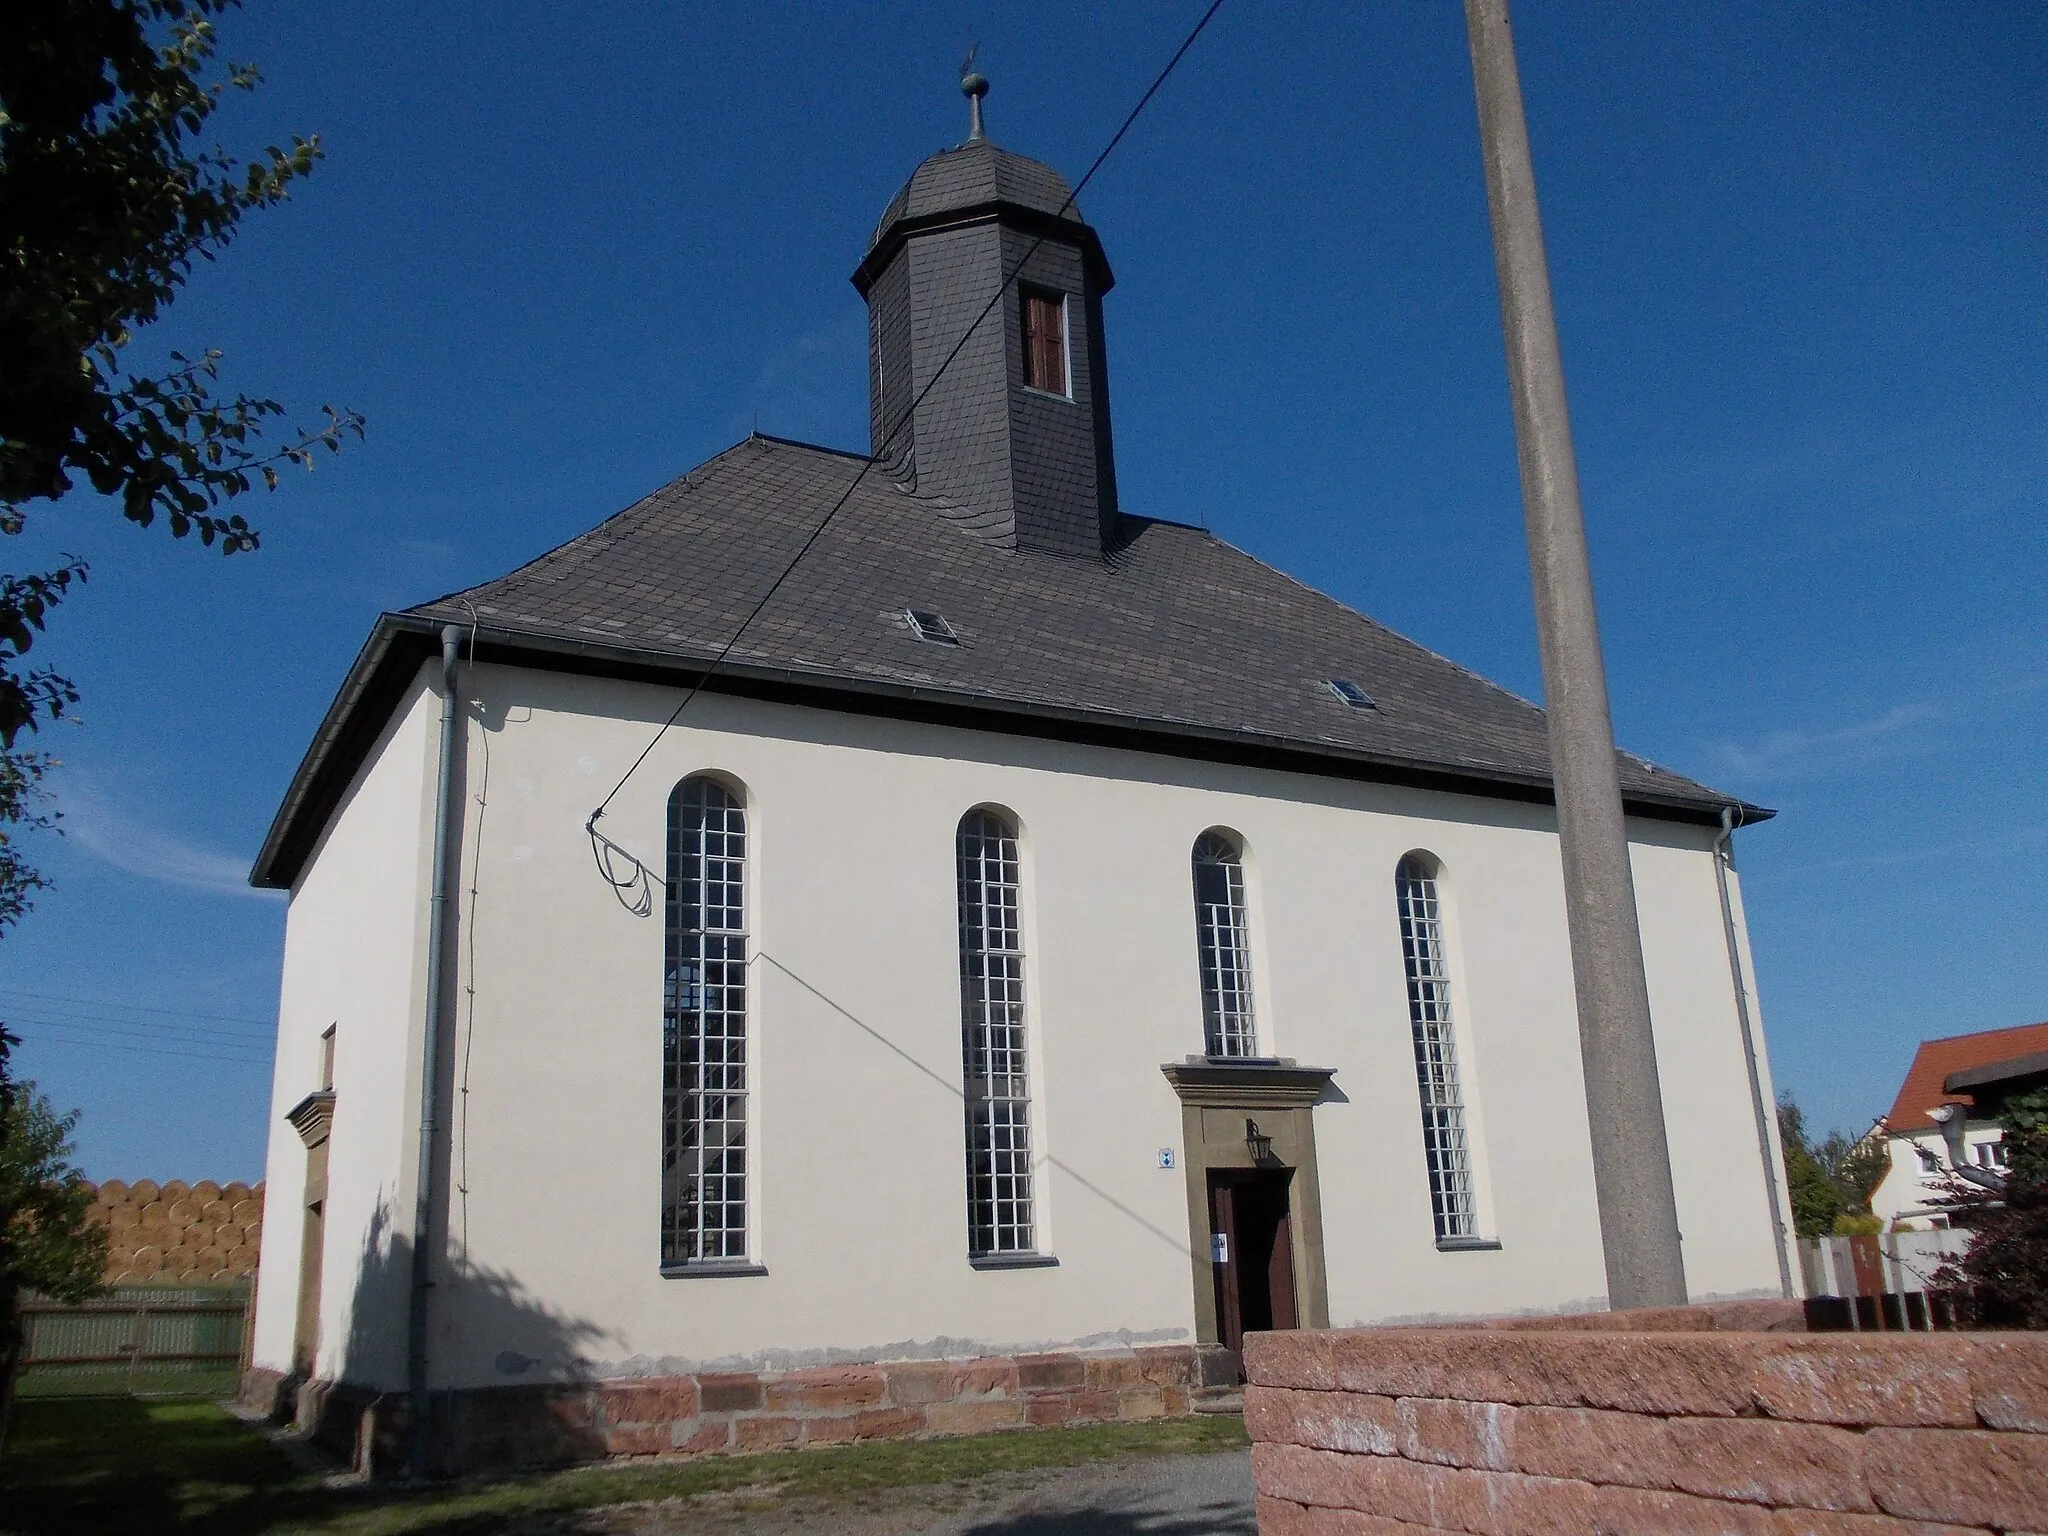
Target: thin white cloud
94,824
2020,840
814,385
1904,730
1881,481
1788,752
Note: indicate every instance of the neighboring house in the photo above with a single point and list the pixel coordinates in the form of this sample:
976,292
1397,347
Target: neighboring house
1050,927
1970,1070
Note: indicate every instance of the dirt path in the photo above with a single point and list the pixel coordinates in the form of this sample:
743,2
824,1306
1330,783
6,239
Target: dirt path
1166,1496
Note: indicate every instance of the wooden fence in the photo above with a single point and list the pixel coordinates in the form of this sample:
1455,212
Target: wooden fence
1879,1283
158,1332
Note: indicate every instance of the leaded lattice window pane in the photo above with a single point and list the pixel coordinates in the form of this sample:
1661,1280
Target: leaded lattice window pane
1223,946
996,1068
1436,1053
704,1028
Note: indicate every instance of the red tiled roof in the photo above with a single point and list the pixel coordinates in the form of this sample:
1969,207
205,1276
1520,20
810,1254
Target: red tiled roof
1935,1059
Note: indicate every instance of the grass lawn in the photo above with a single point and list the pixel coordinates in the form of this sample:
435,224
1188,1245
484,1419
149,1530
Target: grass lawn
163,1468
121,1382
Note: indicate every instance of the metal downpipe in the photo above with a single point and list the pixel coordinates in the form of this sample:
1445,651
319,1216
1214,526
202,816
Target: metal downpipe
445,828
1724,861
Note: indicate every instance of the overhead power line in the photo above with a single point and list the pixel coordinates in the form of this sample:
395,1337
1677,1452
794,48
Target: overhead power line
124,1007
46,1035
909,413
151,1028
132,1029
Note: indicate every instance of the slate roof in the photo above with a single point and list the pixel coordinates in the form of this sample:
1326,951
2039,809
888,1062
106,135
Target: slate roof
1173,641
1936,1059
972,175
1174,628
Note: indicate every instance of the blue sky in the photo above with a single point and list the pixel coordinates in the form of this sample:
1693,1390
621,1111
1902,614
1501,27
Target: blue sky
557,257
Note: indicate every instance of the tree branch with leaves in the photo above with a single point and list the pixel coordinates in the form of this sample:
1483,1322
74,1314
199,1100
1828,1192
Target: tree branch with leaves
2001,1281
1831,1181
108,199
49,1243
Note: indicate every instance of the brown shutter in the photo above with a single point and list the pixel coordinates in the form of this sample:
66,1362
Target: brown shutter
1045,349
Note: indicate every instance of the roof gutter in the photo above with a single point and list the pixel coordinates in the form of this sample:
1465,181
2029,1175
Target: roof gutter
289,842
344,717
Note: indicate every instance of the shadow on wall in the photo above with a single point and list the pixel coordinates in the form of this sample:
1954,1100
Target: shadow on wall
484,1329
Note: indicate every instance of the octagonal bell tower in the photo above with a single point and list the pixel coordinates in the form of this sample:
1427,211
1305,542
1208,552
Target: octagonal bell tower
1016,430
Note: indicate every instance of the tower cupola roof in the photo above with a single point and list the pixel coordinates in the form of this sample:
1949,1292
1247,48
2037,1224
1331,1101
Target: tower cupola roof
974,181
973,175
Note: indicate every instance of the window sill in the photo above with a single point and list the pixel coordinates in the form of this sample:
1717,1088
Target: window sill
711,1268
1012,1261
1046,394
1468,1245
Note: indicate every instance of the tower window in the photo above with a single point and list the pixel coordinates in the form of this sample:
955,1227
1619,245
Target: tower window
1045,341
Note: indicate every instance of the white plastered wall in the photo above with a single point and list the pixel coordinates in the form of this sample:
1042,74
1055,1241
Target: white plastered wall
354,958
1718,1167
858,1195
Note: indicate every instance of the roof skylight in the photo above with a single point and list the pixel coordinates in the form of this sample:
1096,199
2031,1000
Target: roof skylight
929,625
1351,693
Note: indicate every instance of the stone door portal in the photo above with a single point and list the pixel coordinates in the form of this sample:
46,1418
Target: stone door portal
1249,1149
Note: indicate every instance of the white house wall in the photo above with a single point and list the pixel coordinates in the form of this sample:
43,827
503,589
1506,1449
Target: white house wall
353,958
1908,1192
858,1181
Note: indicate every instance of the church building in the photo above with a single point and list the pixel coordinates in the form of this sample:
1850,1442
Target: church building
1046,944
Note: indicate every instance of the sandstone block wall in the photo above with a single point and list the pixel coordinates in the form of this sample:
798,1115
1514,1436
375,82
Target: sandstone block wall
497,1427
179,1231
1680,1421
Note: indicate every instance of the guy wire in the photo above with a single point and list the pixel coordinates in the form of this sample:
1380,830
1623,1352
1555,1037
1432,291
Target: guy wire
909,414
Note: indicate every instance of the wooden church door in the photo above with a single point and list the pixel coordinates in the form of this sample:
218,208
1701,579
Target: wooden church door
1251,1253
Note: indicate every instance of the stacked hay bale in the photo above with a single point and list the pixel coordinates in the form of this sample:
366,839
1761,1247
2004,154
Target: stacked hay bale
204,1232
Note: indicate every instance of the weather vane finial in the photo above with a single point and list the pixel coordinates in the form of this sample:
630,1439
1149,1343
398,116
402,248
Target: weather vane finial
974,86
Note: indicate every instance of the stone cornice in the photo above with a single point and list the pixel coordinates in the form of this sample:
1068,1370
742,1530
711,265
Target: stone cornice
1271,1083
313,1117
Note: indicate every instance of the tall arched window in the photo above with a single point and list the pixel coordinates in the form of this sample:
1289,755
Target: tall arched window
1436,1052
1223,946
704,1028
996,1069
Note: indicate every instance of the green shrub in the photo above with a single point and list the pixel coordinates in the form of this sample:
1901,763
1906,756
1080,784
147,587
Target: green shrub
2002,1280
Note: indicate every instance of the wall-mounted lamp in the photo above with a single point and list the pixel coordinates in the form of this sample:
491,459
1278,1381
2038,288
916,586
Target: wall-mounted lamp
1257,1142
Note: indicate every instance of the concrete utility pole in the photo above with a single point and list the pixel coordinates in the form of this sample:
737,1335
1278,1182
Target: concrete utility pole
1631,1159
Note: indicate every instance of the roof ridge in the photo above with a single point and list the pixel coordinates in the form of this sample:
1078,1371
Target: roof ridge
790,442
1454,665
1361,614
1980,1034
591,535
